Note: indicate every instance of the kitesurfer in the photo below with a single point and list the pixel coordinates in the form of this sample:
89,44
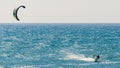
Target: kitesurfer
97,57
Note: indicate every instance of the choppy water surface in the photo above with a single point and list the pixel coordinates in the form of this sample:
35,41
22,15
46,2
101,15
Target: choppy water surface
59,45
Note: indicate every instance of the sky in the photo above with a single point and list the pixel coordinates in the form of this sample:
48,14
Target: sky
61,11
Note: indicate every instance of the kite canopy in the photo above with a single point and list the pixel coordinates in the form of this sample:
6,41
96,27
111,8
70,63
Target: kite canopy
15,11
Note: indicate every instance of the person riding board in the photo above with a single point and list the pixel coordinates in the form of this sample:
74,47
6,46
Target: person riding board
97,57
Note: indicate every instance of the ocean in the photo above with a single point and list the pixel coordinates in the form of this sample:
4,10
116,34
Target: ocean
59,45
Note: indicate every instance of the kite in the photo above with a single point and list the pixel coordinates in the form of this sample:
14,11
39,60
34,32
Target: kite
15,12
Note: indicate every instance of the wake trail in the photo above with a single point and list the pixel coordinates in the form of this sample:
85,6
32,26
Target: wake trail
72,56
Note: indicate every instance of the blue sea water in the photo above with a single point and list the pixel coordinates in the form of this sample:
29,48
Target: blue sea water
59,45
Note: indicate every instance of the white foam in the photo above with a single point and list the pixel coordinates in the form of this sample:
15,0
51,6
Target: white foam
1,67
25,67
41,45
14,38
4,55
6,45
72,56
84,64
109,62
11,38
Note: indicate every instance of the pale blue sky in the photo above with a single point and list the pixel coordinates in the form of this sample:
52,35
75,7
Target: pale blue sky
62,11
